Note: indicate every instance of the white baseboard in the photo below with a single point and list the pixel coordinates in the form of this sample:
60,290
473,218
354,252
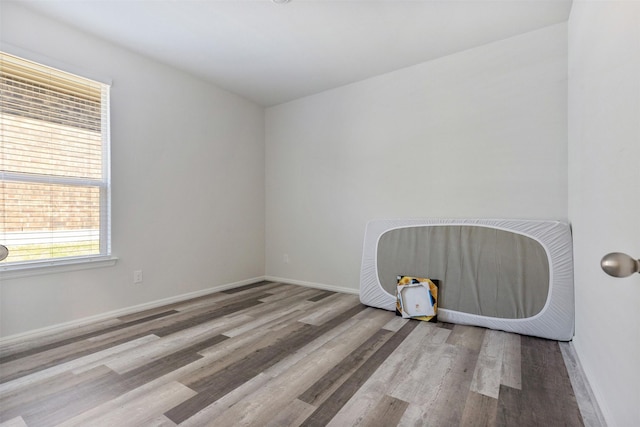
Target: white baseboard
124,311
592,414
314,285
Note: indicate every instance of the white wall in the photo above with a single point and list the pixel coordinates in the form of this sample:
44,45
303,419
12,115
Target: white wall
604,202
481,133
188,192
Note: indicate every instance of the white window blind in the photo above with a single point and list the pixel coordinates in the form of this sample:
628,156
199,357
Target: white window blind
54,164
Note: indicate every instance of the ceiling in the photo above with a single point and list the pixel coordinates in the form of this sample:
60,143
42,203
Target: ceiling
273,53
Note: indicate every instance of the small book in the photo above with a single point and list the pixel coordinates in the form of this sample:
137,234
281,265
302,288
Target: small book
417,298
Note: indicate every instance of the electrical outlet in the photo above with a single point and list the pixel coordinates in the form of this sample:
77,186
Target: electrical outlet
285,258
137,276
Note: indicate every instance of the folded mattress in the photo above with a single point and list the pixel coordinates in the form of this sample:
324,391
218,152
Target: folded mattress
511,275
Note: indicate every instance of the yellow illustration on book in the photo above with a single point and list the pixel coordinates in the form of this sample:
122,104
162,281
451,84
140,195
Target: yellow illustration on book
417,298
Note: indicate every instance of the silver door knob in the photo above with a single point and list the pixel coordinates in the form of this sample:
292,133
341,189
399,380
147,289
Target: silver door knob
4,252
617,264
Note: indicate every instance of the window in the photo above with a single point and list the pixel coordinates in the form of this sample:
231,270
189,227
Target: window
54,165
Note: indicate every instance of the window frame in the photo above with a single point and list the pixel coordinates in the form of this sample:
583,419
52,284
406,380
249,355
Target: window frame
105,257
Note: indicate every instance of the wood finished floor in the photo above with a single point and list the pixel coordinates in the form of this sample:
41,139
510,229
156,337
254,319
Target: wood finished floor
272,354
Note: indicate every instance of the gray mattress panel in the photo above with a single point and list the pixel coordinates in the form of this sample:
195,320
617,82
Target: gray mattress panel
480,268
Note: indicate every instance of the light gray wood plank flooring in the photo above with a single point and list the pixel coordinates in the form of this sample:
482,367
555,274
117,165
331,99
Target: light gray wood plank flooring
273,354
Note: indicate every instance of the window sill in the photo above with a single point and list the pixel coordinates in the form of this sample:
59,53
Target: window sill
37,268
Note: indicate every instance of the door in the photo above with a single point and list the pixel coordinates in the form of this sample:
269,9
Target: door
604,198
